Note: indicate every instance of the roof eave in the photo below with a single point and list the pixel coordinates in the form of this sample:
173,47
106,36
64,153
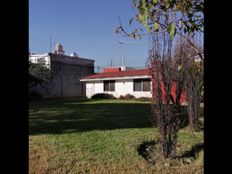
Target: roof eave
116,78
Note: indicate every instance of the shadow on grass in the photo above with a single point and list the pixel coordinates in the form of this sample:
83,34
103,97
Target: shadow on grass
61,116
146,149
193,152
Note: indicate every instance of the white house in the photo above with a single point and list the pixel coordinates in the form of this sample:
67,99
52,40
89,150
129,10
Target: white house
118,82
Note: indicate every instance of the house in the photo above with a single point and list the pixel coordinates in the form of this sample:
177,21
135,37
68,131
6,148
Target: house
117,81
67,73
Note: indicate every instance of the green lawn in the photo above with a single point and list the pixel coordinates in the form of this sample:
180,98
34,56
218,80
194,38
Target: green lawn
98,136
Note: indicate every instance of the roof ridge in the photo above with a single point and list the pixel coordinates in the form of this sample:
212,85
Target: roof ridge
138,72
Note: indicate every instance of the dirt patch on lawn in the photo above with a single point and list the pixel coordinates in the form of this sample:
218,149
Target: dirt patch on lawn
190,161
40,160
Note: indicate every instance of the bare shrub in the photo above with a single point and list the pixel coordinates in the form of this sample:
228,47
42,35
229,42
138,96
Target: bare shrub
129,97
169,78
121,97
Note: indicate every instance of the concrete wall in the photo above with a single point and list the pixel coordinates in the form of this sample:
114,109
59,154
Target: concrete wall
66,77
122,87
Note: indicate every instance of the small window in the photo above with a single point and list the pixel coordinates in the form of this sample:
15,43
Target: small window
109,85
137,85
142,85
146,85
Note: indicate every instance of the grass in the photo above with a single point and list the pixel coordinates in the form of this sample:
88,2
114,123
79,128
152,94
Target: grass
98,136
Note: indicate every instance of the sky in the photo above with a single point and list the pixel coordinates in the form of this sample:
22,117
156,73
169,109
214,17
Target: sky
86,27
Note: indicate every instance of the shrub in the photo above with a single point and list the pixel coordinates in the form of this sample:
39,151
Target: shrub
144,99
129,96
121,97
103,96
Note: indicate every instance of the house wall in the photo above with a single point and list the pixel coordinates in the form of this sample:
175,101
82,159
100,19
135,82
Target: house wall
122,87
94,88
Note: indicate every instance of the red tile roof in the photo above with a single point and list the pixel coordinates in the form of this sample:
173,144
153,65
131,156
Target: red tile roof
139,72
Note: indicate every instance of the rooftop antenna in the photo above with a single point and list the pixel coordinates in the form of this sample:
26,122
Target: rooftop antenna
50,42
54,44
111,62
123,53
98,68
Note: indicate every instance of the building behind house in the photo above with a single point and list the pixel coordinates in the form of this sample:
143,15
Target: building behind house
67,71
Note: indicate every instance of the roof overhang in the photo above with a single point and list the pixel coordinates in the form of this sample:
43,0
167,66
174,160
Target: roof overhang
116,78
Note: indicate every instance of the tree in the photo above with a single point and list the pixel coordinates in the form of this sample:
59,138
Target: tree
39,74
169,77
172,16
184,18
194,78
171,74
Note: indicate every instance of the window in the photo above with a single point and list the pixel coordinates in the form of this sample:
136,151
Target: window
137,85
109,85
142,85
146,85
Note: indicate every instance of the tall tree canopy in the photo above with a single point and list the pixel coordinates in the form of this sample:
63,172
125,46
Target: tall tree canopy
172,16
185,17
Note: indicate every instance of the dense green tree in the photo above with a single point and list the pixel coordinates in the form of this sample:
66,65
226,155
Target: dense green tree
39,74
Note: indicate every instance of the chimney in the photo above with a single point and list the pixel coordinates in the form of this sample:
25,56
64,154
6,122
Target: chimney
123,68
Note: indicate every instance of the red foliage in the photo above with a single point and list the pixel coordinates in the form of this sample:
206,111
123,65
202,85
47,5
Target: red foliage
183,98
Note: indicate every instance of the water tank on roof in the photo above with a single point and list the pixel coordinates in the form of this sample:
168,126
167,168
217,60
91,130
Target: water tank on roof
59,49
74,55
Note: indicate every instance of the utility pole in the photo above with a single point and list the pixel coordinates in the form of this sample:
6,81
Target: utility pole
123,53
